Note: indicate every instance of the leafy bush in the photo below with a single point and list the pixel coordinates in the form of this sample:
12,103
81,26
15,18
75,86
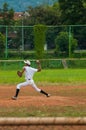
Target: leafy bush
62,43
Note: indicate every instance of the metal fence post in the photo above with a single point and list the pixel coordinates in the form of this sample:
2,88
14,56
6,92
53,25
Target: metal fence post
22,36
6,48
69,41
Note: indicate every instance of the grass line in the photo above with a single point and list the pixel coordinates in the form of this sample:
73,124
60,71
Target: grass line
61,76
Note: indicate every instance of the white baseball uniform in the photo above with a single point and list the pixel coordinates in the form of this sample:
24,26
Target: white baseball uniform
29,72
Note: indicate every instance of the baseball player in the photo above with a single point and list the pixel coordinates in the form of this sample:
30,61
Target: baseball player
29,72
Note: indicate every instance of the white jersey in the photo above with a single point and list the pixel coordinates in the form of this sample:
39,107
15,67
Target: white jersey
29,72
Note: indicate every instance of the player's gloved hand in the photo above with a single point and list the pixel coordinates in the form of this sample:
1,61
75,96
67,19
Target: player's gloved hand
19,73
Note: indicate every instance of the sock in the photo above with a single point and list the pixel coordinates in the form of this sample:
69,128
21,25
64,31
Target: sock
17,92
44,92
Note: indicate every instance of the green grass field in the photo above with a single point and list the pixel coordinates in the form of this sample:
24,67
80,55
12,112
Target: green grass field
58,111
54,76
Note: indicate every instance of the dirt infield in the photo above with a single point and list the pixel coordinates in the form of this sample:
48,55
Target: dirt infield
43,128
60,96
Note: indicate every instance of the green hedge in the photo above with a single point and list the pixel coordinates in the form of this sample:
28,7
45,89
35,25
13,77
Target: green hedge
21,55
47,55
79,55
53,64
28,55
76,63
46,64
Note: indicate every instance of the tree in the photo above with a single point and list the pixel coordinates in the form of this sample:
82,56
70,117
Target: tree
7,15
43,15
62,43
72,12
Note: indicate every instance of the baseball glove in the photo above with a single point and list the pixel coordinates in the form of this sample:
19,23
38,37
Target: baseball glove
19,73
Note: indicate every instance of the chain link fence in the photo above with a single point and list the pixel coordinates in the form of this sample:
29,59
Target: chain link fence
19,43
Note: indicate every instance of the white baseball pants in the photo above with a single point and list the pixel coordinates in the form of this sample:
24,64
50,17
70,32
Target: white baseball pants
28,82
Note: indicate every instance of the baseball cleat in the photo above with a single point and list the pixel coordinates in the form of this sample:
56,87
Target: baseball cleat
14,98
48,95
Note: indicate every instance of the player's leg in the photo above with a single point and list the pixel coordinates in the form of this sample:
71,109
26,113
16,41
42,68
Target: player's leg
43,92
18,89
39,90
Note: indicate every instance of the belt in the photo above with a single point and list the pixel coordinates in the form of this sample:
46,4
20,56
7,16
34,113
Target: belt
29,79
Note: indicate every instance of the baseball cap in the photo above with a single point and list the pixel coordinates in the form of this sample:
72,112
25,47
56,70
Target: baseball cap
27,62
